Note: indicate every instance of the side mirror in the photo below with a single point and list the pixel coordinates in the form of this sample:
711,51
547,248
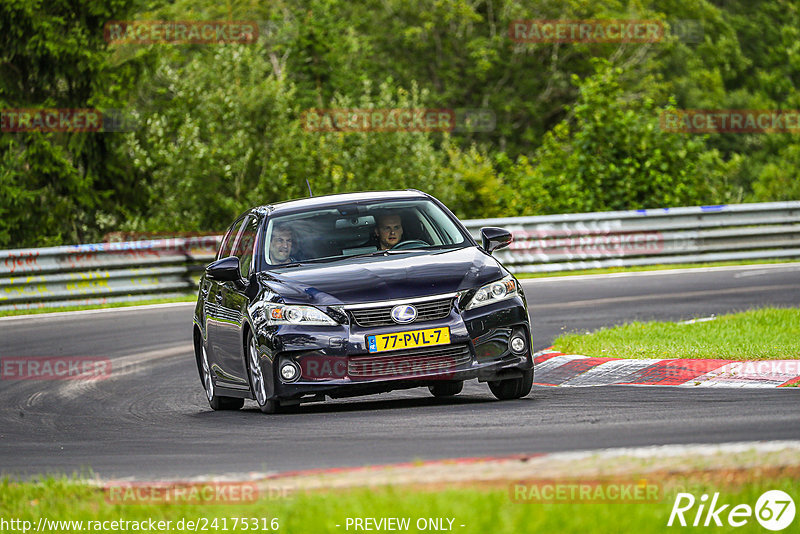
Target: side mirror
225,270
494,238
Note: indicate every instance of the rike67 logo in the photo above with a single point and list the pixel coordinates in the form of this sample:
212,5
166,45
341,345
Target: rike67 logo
774,510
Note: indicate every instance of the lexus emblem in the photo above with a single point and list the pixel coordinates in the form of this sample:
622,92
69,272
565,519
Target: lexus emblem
404,313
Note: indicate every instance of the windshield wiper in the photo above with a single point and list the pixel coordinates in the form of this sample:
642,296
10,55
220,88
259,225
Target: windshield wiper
381,253
306,262
339,258
314,260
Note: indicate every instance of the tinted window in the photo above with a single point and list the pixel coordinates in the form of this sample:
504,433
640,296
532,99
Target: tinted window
354,229
226,246
245,241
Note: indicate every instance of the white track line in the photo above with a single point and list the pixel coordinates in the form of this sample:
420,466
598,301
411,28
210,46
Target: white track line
565,277
78,313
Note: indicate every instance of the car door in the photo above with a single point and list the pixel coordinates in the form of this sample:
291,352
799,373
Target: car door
212,293
232,305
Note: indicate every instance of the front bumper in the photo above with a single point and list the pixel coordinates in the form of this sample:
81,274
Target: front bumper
336,362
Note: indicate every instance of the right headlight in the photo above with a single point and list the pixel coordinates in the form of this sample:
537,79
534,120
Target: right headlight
280,314
494,292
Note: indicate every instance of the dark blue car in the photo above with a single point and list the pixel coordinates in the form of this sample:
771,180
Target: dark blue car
357,294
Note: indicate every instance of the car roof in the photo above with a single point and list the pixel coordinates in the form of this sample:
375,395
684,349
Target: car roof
342,198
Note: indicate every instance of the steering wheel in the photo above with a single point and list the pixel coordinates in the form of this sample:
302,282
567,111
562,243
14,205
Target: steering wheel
411,243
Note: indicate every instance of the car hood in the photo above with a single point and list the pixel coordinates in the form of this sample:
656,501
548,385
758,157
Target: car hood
370,279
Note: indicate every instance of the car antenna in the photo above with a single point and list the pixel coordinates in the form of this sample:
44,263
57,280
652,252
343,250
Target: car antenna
309,188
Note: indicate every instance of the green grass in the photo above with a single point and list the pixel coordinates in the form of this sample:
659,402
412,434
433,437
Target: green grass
764,334
661,267
9,313
481,511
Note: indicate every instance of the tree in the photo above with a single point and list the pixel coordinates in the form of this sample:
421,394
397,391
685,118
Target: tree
53,185
779,179
611,155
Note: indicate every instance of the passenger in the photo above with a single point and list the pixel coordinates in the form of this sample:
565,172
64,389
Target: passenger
281,244
388,230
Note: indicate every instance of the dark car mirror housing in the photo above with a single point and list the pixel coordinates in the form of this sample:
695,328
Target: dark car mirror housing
226,270
495,238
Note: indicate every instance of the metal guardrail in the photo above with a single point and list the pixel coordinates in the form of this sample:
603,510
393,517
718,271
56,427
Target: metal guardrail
552,243
109,272
102,273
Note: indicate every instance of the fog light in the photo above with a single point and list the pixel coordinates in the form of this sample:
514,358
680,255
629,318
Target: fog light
517,344
290,371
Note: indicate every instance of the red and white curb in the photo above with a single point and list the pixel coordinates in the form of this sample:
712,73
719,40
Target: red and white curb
568,370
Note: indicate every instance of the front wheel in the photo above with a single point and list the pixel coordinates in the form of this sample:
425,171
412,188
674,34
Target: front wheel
257,379
216,402
513,388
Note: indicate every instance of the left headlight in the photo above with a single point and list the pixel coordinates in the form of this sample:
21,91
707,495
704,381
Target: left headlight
281,314
494,292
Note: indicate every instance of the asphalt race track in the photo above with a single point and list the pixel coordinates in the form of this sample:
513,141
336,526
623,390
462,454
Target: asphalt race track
150,419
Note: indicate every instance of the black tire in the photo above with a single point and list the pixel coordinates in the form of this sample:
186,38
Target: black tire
446,389
513,388
256,377
217,402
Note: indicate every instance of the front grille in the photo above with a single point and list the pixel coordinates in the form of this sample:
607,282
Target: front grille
411,363
382,315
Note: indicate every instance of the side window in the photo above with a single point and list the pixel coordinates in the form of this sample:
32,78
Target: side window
227,242
243,249
281,243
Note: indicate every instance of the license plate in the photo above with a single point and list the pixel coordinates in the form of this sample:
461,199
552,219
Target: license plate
409,340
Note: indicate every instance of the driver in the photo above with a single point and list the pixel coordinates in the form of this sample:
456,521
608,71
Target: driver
281,243
389,230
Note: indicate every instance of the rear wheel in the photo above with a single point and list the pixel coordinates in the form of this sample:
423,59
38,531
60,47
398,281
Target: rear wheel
446,389
257,379
216,402
513,388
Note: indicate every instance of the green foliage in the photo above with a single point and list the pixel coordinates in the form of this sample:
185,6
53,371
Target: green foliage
221,125
611,154
222,147
780,178
200,156
52,185
474,187
375,160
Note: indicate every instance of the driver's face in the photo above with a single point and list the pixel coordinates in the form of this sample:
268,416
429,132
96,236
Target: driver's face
390,231
280,247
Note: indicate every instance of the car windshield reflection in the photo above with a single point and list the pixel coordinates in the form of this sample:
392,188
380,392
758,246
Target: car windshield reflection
336,233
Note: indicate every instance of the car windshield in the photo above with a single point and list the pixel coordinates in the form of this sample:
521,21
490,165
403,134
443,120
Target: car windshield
363,228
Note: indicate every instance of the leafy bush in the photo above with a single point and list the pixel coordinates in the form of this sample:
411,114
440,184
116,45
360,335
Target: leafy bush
610,154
